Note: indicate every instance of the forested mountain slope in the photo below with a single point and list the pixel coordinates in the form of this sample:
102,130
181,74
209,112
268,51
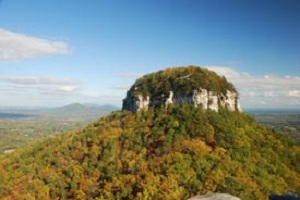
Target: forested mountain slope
172,153
160,151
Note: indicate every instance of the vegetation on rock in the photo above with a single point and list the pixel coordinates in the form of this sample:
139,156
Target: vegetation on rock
182,80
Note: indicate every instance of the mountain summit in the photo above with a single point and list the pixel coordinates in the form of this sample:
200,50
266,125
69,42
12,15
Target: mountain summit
192,85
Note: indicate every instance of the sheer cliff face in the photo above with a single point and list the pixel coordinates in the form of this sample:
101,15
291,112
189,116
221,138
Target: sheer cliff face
201,97
194,85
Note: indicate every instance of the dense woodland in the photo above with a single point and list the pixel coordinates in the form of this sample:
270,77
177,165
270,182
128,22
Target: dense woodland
181,80
160,153
172,153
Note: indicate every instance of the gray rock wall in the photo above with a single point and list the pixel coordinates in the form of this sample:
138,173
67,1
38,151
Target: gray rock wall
201,97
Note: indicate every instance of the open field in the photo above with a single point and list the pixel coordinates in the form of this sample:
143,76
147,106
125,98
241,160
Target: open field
19,128
284,121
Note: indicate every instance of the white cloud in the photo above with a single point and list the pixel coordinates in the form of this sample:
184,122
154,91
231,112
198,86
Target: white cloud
130,75
36,84
126,80
122,87
294,93
52,91
38,91
265,90
67,88
225,71
15,46
36,80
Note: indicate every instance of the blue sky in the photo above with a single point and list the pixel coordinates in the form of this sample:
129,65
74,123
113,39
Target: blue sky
58,52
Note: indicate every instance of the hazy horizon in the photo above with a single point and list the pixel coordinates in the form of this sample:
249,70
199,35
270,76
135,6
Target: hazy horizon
26,107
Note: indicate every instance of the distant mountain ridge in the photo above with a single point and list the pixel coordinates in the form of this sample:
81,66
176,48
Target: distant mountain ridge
74,108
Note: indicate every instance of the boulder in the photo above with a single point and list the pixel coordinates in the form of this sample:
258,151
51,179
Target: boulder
215,196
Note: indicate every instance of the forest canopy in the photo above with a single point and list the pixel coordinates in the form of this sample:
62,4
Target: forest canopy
172,153
181,80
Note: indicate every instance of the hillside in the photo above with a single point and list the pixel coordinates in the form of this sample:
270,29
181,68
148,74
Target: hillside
80,109
172,152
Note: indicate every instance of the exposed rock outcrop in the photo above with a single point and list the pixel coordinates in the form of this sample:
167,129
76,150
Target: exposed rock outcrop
215,196
171,89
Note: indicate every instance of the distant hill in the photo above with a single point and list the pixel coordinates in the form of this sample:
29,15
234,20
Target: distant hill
72,107
172,152
78,108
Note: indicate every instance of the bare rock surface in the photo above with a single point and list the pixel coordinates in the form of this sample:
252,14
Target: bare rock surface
215,196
